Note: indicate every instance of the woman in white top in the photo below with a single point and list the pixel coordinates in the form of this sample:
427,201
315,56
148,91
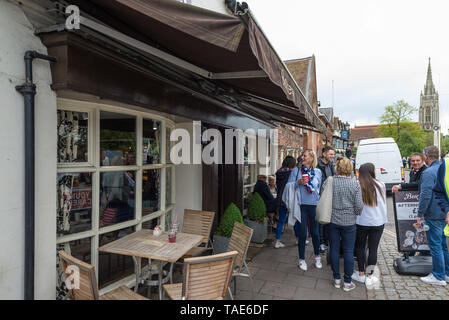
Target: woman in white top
370,223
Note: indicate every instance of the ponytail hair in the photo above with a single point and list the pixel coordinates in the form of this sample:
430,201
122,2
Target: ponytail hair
369,186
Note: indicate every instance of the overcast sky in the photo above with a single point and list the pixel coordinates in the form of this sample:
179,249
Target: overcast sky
375,51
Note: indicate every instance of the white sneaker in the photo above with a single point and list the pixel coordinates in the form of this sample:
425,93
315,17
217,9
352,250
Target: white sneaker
447,278
279,245
318,262
430,279
370,281
303,265
337,284
349,286
357,277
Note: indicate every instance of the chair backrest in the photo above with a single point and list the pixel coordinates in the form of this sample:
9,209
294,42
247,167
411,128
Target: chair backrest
207,278
87,289
198,222
240,239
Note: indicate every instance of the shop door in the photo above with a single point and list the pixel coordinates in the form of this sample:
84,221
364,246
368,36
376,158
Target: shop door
222,185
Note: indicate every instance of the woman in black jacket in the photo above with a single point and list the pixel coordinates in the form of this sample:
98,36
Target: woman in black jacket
282,176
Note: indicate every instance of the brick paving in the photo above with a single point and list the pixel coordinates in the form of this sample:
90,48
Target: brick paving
276,275
399,287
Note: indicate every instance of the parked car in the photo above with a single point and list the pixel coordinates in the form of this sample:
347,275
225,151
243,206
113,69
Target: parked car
384,154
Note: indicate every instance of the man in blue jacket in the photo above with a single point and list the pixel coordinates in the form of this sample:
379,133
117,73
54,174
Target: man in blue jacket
441,188
430,211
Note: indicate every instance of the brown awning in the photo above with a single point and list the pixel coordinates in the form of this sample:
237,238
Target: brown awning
232,50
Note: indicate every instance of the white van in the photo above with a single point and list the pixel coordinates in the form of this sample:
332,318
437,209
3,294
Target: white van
384,154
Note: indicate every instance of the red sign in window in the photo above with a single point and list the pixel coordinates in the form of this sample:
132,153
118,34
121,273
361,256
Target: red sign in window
81,199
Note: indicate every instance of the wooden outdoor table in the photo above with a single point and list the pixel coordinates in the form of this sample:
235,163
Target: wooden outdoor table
143,244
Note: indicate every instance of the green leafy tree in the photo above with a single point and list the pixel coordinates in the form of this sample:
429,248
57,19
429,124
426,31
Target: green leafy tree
444,146
231,215
412,138
395,115
257,211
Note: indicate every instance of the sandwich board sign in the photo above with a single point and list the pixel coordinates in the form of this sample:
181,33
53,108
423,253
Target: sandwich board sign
410,235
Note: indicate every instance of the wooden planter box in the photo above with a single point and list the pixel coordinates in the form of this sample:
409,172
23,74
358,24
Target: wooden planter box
220,244
260,230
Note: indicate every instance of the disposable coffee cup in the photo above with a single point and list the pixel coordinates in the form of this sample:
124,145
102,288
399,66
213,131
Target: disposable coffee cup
305,177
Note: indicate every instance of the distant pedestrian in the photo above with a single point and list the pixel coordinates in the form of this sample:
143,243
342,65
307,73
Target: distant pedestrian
404,162
370,224
282,176
272,185
327,167
261,187
431,212
308,185
409,162
347,204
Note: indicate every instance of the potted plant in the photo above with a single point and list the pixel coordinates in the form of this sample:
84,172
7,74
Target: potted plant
221,238
257,218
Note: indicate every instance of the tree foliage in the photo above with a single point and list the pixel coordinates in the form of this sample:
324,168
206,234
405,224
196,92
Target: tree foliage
396,123
397,114
444,146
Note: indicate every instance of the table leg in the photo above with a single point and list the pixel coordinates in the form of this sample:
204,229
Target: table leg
137,271
160,274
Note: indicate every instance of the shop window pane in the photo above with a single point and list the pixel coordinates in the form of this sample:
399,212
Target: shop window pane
247,193
169,186
72,136
80,249
113,267
168,220
74,205
151,142
117,139
168,144
152,223
117,197
151,191
249,174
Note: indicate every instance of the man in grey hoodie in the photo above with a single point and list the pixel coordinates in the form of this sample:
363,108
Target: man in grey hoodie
327,167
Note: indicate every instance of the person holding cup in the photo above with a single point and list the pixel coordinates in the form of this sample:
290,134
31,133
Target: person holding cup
308,178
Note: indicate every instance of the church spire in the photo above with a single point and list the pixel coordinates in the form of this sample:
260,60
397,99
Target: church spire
429,88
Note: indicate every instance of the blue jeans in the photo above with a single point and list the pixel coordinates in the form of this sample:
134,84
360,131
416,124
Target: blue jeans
310,212
296,229
438,248
345,235
282,215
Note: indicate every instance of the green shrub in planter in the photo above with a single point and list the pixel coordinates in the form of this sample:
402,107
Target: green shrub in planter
232,214
257,211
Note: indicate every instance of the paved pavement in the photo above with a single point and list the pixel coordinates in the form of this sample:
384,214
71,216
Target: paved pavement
277,276
395,286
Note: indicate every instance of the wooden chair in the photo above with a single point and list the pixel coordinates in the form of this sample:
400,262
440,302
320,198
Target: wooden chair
205,278
198,222
88,289
240,240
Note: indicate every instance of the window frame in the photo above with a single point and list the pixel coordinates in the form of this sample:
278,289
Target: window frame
93,166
